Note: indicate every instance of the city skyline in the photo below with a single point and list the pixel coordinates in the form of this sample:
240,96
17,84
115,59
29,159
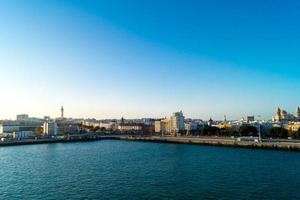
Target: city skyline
148,59
279,113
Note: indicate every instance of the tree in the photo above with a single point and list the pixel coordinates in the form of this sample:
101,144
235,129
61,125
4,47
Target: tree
278,132
248,130
228,132
102,129
95,129
210,131
296,134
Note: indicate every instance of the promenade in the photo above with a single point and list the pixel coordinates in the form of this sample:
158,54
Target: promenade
292,145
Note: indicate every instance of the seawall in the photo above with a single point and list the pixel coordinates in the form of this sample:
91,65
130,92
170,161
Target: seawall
218,142
229,142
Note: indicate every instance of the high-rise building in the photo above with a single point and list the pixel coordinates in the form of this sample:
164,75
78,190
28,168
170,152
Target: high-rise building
173,125
177,122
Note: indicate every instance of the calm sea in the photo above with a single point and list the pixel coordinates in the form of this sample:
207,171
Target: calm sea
139,170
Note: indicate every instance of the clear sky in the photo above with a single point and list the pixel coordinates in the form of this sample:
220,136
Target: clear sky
135,58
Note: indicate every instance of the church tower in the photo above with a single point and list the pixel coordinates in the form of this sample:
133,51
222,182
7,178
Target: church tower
210,122
298,113
278,112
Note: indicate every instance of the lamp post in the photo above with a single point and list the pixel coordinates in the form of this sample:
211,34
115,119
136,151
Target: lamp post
259,129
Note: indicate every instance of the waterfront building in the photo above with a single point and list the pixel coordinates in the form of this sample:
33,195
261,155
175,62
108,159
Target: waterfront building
293,126
166,126
177,122
22,134
8,128
47,118
19,129
250,119
107,125
50,128
190,126
225,124
125,127
148,121
11,128
157,126
148,128
90,123
200,123
25,119
17,134
22,117
163,126
68,126
173,125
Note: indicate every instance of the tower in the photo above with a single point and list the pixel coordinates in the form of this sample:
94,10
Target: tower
177,122
62,112
297,112
278,112
210,122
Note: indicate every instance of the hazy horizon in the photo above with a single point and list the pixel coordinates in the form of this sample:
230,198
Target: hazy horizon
137,59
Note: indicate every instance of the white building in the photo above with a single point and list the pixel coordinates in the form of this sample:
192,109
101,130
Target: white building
190,126
22,134
172,125
108,126
22,117
50,128
130,127
157,126
10,128
90,123
177,122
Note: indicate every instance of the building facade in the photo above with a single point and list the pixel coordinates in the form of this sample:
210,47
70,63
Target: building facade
130,127
22,117
172,126
293,126
283,116
49,128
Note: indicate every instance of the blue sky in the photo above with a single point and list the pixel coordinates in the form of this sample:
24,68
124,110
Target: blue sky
107,59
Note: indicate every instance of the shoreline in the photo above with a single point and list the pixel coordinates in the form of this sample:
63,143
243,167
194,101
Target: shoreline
217,142
210,141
